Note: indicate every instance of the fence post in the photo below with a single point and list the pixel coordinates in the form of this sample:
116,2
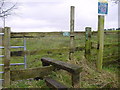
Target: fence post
71,33
6,61
88,43
1,59
100,42
76,80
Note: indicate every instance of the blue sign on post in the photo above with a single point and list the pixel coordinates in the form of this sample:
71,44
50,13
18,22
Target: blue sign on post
102,8
66,34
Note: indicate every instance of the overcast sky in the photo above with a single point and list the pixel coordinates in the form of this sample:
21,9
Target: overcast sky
54,15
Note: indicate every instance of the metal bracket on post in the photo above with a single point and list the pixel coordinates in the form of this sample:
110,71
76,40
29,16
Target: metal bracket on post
25,57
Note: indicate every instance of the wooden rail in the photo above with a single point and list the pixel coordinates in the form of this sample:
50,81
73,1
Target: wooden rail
73,69
31,73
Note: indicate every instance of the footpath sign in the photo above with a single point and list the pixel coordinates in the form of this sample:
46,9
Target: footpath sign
102,7
66,34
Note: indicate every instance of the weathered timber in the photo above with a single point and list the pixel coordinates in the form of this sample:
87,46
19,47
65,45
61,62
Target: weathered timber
24,36
100,42
55,85
17,53
76,80
71,68
61,65
33,52
31,73
71,33
88,43
6,61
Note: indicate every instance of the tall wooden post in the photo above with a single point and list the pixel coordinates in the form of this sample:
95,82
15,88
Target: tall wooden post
1,67
71,33
88,42
6,61
76,80
100,42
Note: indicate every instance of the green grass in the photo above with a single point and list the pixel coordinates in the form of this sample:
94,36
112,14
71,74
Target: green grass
57,47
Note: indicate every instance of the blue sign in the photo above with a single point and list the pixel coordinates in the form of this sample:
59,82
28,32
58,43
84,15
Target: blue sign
66,34
102,8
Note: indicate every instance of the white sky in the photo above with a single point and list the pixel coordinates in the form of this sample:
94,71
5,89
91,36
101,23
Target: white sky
54,15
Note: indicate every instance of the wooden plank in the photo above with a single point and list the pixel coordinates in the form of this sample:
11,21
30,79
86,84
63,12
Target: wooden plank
61,65
54,84
35,52
17,53
6,61
71,33
88,43
31,73
24,36
100,42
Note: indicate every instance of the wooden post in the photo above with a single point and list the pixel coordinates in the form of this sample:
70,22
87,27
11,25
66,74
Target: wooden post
6,61
1,67
88,43
100,42
71,33
76,80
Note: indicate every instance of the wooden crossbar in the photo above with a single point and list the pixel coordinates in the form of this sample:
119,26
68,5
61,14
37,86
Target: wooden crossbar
31,73
61,65
55,84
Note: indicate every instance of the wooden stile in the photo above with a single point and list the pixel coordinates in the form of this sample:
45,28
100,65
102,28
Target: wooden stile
71,68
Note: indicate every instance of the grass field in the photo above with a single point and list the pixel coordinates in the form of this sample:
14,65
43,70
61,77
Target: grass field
57,47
